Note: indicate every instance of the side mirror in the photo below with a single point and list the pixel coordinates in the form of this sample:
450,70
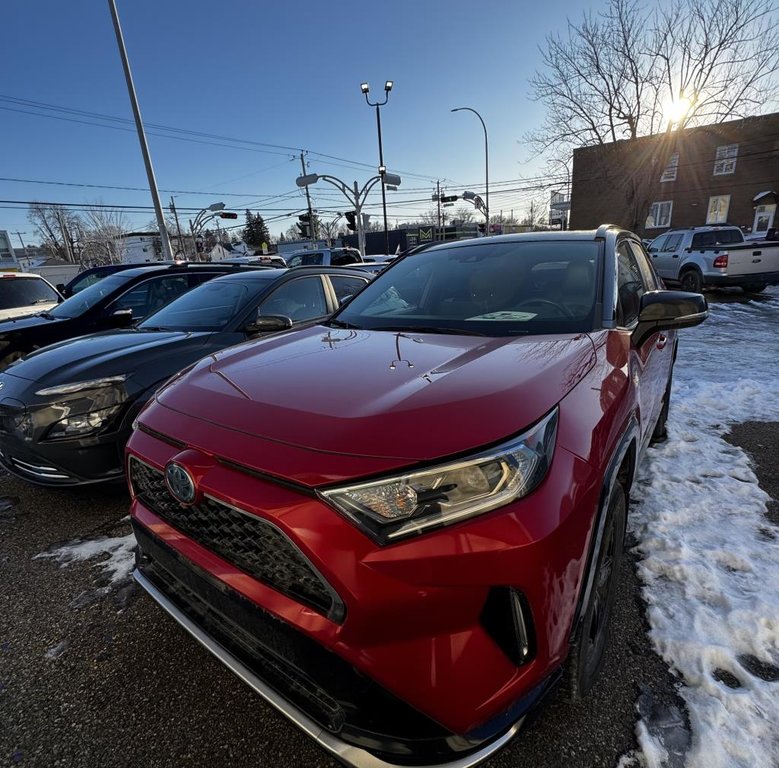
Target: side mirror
667,310
61,288
268,324
122,318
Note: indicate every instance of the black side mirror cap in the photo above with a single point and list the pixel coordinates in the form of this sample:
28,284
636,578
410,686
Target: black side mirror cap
122,318
268,324
667,310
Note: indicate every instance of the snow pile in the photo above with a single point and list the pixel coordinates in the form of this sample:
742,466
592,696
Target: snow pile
117,567
710,557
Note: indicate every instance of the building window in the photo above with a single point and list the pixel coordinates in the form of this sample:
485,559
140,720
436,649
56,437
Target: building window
659,215
764,219
669,174
718,209
725,161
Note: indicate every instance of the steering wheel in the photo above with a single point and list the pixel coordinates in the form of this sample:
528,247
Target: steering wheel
561,309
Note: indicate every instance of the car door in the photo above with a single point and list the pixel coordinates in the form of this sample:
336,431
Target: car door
300,299
649,363
667,258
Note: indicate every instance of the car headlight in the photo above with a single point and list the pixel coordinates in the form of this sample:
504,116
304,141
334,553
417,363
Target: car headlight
89,409
82,424
78,386
405,505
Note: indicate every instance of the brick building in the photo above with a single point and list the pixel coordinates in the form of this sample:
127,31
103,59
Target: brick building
712,174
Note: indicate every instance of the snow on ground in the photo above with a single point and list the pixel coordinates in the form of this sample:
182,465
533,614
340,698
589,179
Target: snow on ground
710,557
117,567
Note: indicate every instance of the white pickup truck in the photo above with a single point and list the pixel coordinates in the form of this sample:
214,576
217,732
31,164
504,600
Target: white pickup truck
712,256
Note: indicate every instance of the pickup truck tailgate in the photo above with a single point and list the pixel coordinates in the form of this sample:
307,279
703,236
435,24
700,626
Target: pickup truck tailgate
752,259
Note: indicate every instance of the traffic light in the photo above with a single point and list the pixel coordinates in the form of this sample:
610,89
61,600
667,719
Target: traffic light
351,220
449,198
304,226
228,215
482,228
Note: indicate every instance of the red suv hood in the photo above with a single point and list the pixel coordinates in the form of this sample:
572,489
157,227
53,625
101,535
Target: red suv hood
405,397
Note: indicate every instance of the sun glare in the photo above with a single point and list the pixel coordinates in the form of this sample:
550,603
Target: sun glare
675,110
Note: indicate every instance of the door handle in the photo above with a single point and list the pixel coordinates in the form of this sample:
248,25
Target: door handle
675,256
662,340
757,253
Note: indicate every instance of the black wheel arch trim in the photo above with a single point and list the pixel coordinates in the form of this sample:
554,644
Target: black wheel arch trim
630,436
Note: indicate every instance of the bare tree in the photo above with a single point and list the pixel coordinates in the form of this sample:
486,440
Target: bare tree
618,74
58,228
464,214
101,236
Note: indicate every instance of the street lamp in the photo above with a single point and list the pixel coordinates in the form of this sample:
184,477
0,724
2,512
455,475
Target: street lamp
213,211
364,89
486,163
353,194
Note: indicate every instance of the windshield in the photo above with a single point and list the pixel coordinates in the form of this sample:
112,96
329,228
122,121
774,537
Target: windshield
89,297
209,307
25,291
494,289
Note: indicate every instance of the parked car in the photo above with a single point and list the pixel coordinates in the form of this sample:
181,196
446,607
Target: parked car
22,293
66,410
336,257
90,276
402,524
115,301
714,256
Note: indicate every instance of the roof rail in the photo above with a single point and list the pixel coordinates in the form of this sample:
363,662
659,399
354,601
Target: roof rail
603,228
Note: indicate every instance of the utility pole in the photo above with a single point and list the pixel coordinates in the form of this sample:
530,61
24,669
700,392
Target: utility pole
311,221
358,219
438,198
155,195
178,226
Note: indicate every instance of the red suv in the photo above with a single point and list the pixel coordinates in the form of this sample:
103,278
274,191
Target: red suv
401,525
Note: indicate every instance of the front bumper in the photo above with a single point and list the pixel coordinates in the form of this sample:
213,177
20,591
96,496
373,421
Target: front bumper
327,698
66,463
421,641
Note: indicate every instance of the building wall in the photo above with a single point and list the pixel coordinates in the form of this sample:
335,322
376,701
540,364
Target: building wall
617,183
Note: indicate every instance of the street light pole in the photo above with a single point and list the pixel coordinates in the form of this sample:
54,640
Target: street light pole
365,88
486,163
353,194
155,195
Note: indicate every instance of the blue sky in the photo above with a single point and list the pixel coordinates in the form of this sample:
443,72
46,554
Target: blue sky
285,74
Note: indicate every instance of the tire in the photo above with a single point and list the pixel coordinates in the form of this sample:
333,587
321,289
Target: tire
691,280
754,287
659,433
587,654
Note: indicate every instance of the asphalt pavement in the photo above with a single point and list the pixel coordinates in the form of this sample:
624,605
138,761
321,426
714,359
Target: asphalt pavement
97,675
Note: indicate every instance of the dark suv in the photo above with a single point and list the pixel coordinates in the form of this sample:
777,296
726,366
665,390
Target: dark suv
114,302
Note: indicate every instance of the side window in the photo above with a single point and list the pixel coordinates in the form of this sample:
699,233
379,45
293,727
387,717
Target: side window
345,287
302,299
658,244
651,283
630,286
150,295
673,243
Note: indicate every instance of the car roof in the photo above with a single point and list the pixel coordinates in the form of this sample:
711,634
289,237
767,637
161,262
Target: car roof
278,272
11,273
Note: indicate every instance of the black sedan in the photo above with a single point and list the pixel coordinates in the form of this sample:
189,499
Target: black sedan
113,302
66,411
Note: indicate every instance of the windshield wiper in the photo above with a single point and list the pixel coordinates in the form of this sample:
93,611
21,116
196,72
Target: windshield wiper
45,301
427,329
342,324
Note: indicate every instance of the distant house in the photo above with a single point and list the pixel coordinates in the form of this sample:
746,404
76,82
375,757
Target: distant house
229,251
140,247
712,174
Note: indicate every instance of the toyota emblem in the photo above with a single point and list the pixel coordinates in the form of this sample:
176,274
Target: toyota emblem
180,483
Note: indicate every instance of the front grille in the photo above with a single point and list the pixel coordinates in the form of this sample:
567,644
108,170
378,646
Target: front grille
254,545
